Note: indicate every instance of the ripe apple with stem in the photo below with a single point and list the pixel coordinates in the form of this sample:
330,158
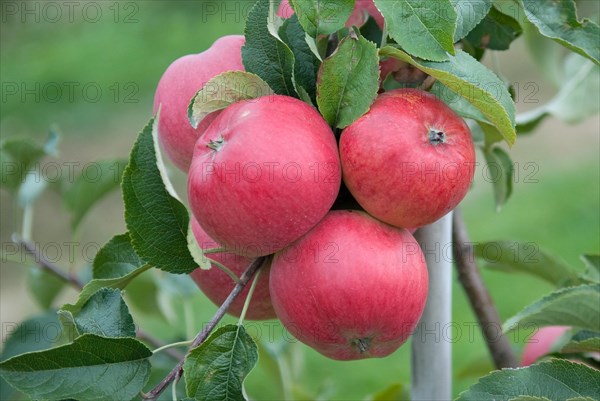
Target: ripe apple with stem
216,284
352,287
409,160
178,85
265,172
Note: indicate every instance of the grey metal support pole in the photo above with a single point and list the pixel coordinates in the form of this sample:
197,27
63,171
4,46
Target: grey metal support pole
431,359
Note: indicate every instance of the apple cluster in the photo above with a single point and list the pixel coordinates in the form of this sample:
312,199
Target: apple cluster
265,178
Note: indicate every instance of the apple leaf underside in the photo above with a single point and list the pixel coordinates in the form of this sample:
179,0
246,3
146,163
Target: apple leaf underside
91,186
90,368
525,257
224,89
583,341
18,156
216,370
572,306
423,28
501,169
558,20
556,380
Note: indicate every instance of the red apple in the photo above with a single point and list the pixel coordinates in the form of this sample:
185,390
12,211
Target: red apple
541,343
360,14
178,85
352,288
217,285
264,173
409,160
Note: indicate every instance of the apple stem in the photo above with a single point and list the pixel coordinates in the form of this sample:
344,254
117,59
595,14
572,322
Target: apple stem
436,136
363,345
431,355
216,144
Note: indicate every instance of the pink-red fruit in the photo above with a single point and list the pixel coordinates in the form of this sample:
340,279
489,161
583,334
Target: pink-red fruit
216,284
360,14
409,160
541,343
264,173
178,85
352,288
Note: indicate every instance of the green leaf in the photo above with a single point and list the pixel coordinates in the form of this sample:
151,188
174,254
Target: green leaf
157,221
423,28
589,344
306,64
34,334
116,258
497,31
476,83
43,286
348,81
96,180
556,380
142,293
529,398
545,53
500,171
371,31
105,314
197,252
557,19
224,89
17,157
319,17
459,104
469,14
96,285
91,368
264,54
592,263
216,370
525,257
576,99
572,306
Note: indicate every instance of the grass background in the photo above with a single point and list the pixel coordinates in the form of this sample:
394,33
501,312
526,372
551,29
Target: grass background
129,46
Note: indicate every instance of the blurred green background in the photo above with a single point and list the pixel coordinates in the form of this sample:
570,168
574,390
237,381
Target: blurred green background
91,72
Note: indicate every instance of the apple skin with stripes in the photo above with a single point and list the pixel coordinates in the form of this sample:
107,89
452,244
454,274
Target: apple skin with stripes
352,288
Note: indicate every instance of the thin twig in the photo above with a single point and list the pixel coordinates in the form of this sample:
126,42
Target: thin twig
50,267
45,264
428,83
175,374
468,273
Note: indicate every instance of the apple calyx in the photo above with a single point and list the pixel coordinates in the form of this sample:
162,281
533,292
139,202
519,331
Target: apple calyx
436,136
216,144
362,344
